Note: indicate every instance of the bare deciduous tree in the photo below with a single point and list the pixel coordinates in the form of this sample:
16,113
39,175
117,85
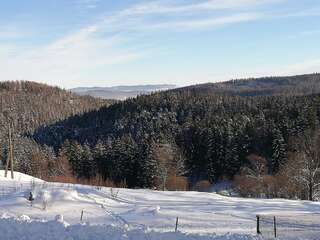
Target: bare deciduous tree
170,162
251,180
304,164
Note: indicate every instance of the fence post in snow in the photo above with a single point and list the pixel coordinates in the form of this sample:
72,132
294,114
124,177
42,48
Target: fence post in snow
258,224
177,221
81,216
275,227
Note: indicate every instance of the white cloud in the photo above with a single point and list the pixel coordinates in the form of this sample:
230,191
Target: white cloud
88,3
97,45
65,59
206,23
107,41
175,15
169,7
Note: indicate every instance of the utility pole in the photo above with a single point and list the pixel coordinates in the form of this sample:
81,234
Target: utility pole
10,152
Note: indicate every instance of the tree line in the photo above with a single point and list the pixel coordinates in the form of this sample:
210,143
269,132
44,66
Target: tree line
192,135
264,141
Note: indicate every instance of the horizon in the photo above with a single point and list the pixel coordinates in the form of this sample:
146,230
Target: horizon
65,43
174,86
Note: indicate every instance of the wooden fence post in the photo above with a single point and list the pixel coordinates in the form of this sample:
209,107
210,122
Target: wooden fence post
258,224
81,216
177,221
275,227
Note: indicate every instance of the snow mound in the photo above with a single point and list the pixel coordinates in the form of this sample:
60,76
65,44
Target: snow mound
5,216
56,230
156,210
24,218
64,195
56,195
21,177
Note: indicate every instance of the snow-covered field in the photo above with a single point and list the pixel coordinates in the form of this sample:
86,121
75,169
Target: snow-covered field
136,214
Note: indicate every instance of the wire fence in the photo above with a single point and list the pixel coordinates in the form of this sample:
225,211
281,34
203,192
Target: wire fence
300,226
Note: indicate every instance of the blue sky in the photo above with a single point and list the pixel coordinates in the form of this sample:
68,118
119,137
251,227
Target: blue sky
73,43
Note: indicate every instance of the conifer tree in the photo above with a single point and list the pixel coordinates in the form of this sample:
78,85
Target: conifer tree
279,150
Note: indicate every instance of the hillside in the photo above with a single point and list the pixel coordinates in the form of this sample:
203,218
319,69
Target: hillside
187,133
291,85
29,105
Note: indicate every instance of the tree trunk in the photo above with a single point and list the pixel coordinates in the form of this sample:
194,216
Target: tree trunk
11,152
164,183
310,192
8,152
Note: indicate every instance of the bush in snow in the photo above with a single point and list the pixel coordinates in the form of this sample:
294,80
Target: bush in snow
114,192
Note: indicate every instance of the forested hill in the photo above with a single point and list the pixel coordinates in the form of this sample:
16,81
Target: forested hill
293,85
29,105
203,136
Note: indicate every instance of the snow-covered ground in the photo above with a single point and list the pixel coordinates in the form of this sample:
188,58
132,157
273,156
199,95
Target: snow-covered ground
137,214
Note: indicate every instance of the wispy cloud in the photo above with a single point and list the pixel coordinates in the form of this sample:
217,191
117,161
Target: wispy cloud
88,3
198,24
116,37
107,42
65,58
170,7
174,15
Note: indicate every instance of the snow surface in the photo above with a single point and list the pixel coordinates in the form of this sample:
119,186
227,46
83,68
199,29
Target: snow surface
135,214
18,177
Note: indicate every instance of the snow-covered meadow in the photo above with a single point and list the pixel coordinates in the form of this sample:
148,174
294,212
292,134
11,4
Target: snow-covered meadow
135,214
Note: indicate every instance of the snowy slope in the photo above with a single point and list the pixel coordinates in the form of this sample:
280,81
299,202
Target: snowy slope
18,177
131,214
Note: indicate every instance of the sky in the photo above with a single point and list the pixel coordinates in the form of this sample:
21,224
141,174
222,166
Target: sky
73,43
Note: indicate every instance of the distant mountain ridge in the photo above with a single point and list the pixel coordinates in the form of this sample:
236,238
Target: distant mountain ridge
121,92
306,84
